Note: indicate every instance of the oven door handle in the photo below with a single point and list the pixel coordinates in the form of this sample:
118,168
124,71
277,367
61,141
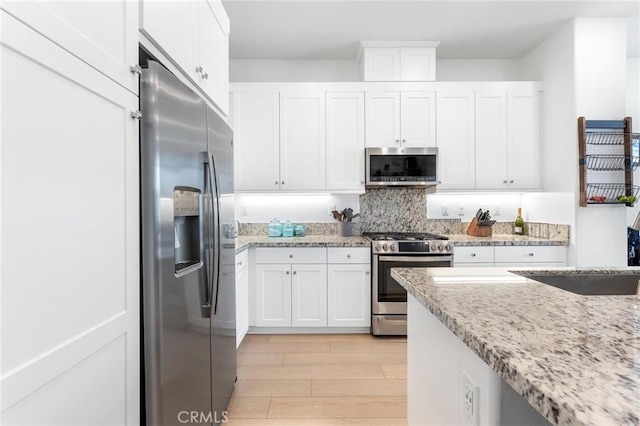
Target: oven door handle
422,259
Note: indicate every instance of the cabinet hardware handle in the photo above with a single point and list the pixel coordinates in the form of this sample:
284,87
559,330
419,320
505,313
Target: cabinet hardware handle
205,76
504,181
276,182
511,181
287,272
282,183
473,255
290,256
199,68
294,272
530,254
404,141
361,182
136,69
348,256
239,263
367,272
397,140
136,114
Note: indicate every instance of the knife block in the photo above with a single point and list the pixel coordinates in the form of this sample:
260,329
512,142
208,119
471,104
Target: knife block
479,231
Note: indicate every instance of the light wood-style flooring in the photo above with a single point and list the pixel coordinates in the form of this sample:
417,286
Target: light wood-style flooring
320,379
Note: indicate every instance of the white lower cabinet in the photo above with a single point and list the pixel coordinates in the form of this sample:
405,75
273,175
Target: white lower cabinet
309,295
349,295
296,287
509,256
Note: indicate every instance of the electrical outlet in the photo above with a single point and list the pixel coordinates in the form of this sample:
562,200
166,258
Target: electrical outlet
330,208
470,399
243,210
445,210
461,210
496,211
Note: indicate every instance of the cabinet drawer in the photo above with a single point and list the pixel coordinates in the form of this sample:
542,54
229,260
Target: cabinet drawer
291,255
472,255
242,260
474,265
531,254
349,255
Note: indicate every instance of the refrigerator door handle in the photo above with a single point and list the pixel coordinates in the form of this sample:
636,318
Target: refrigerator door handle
218,252
204,293
214,218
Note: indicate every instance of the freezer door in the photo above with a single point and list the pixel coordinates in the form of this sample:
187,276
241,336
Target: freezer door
177,330
223,319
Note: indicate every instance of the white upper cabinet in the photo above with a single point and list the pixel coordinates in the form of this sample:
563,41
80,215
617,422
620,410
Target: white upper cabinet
523,154
390,62
102,34
418,119
491,139
214,53
256,131
400,119
382,119
417,64
302,141
195,36
456,140
345,140
507,145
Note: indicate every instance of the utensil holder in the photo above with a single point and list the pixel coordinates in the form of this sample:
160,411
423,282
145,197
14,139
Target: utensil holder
345,229
479,231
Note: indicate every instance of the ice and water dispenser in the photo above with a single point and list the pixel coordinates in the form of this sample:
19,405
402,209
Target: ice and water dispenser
186,224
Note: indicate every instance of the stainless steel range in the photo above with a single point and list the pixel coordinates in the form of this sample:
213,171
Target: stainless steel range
400,250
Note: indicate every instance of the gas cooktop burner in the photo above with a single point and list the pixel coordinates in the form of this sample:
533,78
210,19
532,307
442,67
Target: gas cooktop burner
403,236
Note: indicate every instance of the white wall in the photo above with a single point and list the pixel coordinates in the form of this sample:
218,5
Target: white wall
269,70
552,62
633,111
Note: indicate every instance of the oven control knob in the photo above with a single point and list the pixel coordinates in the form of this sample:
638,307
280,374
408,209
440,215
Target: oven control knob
440,247
432,247
392,247
448,247
385,247
377,247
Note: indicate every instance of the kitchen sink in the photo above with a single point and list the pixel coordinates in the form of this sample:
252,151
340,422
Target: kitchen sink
590,284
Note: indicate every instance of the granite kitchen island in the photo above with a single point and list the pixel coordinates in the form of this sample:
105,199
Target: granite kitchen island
575,359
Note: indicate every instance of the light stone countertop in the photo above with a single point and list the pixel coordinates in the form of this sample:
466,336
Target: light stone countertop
246,241
575,359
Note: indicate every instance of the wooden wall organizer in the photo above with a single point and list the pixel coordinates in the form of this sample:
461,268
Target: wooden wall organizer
605,150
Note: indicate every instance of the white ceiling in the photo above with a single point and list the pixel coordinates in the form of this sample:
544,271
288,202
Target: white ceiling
329,29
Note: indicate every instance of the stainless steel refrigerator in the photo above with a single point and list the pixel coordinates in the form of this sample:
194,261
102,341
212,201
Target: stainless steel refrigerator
188,253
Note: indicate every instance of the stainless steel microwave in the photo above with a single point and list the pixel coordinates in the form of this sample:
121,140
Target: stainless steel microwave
401,167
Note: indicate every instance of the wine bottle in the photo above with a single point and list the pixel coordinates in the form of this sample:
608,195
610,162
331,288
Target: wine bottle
518,226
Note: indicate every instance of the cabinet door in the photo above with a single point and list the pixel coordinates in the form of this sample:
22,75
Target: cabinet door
456,144
524,145
70,190
381,64
102,34
349,295
491,139
273,295
309,295
345,140
302,141
417,64
382,119
173,27
418,119
256,121
214,56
